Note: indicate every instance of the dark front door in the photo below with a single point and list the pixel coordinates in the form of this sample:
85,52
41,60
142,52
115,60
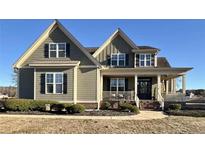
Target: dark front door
144,88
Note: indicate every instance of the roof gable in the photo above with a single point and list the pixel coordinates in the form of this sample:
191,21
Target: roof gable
44,36
112,37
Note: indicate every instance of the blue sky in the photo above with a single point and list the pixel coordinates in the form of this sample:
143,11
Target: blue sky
181,41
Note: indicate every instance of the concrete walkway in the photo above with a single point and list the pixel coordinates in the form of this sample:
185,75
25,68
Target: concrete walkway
144,115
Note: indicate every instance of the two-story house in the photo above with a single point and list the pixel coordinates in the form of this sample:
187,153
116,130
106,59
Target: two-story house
58,67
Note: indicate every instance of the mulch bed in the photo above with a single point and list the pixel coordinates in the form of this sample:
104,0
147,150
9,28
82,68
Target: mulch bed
192,113
86,113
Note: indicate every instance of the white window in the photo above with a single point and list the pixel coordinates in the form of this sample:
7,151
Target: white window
145,60
57,50
54,83
117,84
118,59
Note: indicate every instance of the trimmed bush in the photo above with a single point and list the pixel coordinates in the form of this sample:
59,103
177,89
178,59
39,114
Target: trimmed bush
26,104
129,107
175,107
105,105
75,108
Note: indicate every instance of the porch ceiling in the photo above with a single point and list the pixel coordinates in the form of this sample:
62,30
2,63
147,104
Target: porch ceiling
171,72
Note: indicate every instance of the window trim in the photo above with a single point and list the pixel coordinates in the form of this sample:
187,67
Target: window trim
145,60
54,82
118,59
57,49
117,85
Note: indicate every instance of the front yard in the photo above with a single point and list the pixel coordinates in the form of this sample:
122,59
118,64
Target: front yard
172,124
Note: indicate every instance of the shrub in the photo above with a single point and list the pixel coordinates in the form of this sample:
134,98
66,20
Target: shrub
175,107
75,108
192,113
57,107
26,104
131,108
105,105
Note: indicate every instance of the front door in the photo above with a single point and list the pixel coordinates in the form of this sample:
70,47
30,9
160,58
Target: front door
144,88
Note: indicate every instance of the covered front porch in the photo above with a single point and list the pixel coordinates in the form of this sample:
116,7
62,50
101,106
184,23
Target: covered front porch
136,86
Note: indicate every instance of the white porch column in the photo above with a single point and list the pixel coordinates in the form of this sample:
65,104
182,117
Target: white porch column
98,88
175,85
101,87
34,84
75,85
184,84
167,86
172,86
136,81
158,87
17,89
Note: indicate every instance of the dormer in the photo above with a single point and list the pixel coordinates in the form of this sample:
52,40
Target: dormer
145,56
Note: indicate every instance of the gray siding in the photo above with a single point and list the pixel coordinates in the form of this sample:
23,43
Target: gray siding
86,84
58,36
26,83
117,45
57,97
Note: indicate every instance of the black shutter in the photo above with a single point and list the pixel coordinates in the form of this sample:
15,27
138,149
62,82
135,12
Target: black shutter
126,84
137,60
67,50
46,50
108,84
42,84
152,59
127,60
108,60
65,83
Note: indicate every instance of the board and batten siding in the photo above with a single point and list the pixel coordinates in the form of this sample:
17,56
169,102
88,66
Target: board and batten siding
87,84
117,45
58,97
26,82
58,36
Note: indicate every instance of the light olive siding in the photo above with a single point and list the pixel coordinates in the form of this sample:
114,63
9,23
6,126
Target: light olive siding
26,81
58,36
57,97
116,45
87,84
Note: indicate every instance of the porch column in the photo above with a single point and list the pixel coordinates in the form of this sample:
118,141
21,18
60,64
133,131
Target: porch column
184,84
75,85
101,87
136,100
158,87
174,86
167,86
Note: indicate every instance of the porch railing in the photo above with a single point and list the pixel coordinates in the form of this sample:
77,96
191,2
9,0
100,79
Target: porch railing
120,95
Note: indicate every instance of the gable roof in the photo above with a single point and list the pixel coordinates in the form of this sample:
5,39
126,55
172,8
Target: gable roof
114,35
162,62
44,36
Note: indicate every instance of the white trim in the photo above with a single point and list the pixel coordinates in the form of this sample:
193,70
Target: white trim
155,60
117,32
54,82
158,87
51,65
145,60
87,101
101,86
75,85
88,66
118,59
136,84
98,87
57,50
135,59
34,84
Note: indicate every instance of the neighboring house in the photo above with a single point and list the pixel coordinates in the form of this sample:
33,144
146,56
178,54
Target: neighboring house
57,67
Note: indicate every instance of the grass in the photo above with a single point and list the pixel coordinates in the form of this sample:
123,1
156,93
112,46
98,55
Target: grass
172,124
